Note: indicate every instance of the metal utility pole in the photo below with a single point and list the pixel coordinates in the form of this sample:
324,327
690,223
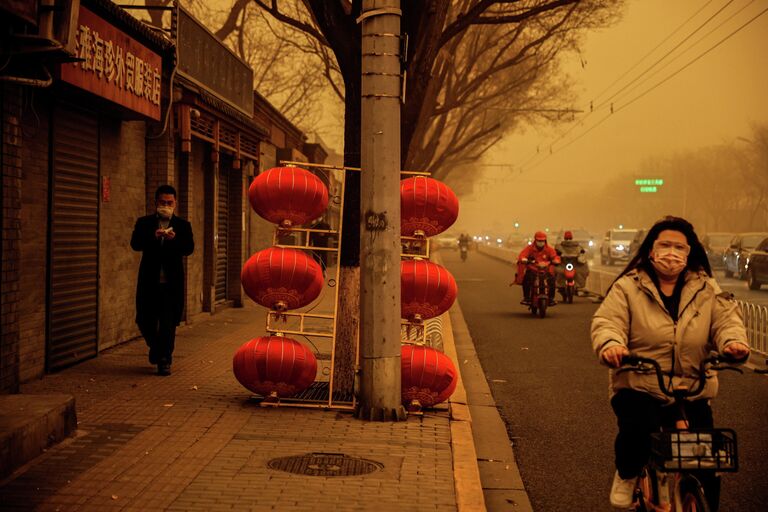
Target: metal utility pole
380,398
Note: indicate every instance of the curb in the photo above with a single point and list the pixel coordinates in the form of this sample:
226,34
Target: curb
466,473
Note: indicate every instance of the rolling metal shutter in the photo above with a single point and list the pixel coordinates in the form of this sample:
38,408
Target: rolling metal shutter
74,240
222,231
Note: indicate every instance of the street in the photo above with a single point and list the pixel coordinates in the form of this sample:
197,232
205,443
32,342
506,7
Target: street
737,287
552,394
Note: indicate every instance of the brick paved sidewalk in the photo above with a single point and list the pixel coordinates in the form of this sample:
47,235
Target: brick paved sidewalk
194,440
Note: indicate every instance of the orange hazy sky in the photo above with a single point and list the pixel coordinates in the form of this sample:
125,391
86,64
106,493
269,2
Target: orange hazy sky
714,100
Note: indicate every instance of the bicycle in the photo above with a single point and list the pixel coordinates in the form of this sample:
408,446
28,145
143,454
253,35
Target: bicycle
667,483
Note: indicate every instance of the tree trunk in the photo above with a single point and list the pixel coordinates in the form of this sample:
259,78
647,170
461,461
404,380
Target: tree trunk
348,312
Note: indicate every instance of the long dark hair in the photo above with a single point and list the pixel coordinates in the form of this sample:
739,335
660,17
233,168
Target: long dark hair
697,259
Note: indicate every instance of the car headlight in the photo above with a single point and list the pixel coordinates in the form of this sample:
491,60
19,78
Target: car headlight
498,240
591,243
620,247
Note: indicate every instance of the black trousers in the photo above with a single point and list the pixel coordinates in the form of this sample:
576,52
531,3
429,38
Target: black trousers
159,327
639,415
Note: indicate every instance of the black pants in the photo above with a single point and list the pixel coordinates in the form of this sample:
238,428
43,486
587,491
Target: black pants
639,415
159,327
528,280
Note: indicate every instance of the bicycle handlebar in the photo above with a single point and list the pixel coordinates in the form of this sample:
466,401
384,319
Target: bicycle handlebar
715,361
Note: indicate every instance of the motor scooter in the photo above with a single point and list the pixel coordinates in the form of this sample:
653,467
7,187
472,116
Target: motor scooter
463,251
539,290
567,286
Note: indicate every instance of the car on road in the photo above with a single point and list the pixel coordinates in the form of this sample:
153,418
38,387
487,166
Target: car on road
757,268
583,237
715,245
616,245
736,256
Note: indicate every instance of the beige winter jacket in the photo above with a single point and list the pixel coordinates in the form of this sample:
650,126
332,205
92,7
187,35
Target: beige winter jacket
634,315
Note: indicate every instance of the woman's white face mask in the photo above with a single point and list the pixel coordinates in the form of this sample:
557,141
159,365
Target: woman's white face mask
669,258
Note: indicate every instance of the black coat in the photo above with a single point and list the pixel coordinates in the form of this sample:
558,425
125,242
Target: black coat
169,254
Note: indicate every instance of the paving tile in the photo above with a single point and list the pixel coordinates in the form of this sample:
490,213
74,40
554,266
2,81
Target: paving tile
158,444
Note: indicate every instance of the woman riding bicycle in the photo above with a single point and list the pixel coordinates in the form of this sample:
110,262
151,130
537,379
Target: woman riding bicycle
665,305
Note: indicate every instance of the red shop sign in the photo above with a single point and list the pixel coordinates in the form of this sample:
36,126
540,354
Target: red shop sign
115,66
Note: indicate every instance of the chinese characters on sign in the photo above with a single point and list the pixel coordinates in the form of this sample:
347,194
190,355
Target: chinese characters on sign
115,66
649,186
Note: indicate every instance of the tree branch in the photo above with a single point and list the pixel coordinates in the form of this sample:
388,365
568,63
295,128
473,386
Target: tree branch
274,10
474,17
230,24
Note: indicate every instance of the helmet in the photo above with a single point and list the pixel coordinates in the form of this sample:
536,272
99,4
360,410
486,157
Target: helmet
568,235
540,235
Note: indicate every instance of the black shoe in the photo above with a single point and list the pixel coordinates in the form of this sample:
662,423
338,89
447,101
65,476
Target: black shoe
164,369
525,302
552,302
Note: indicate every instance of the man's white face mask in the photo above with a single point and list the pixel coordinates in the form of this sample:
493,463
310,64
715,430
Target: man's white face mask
165,211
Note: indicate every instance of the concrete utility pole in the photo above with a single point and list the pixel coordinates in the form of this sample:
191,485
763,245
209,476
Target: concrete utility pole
380,212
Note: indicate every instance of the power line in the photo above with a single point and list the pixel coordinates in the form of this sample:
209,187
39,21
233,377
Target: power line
693,45
653,49
694,60
593,109
650,89
658,61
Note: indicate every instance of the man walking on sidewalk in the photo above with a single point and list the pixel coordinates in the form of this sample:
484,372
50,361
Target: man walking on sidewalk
164,239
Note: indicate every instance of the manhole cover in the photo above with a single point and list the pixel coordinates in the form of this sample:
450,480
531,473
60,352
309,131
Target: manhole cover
325,464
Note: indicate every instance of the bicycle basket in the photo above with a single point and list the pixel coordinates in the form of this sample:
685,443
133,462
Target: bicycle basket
707,450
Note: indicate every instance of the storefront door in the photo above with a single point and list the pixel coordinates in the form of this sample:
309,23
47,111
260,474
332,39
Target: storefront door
72,318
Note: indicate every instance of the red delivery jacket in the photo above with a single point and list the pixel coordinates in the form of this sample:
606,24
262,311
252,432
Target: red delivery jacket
546,254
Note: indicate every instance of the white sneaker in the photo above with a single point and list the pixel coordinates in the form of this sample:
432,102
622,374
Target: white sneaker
622,491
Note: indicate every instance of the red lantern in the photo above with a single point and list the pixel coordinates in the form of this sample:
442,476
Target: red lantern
428,376
427,289
427,207
274,366
282,279
288,196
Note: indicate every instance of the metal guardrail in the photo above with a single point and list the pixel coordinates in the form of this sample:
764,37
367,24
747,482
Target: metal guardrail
756,322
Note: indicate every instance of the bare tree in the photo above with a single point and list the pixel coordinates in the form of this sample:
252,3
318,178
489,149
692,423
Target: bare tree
291,68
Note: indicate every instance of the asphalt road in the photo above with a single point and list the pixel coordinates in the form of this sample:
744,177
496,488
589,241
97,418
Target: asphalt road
736,286
553,396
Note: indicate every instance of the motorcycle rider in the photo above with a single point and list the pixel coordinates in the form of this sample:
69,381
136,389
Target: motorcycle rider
539,251
571,249
463,244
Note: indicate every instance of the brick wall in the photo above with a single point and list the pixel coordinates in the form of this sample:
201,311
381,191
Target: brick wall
198,159
34,244
259,230
10,191
161,166
122,158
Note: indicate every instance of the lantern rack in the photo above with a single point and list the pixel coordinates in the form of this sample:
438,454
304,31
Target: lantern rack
413,333
274,317
414,247
318,328
322,325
